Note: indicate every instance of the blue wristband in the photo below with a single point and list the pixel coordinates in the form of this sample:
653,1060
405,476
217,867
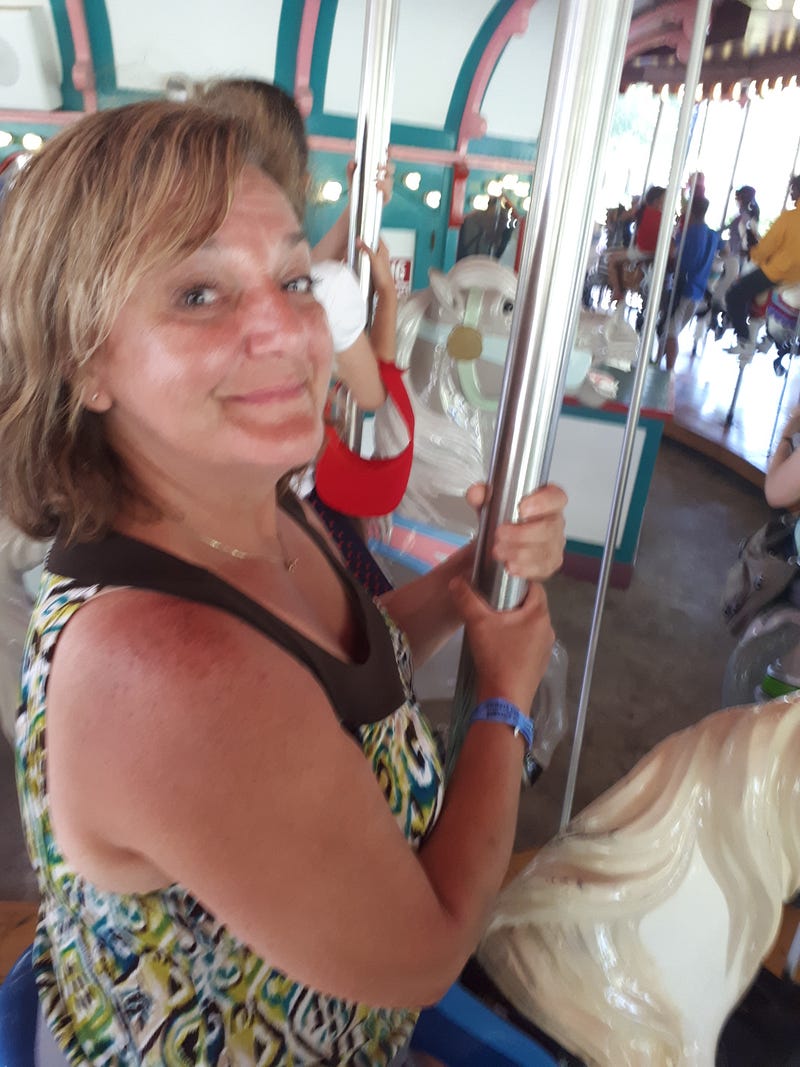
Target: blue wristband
497,710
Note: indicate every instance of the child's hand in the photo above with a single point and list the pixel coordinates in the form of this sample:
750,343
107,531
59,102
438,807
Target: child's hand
384,179
533,546
380,267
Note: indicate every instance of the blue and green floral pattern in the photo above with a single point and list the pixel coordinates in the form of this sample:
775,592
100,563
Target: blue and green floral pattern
153,979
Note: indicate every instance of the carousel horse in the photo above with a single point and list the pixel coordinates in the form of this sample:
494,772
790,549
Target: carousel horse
630,937
782,322
18,555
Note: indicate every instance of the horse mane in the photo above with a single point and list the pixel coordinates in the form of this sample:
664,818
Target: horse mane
567,942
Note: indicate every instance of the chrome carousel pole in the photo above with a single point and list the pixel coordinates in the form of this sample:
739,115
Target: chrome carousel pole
684,229
794,171
652,154
745,360
373,130
583,84
793,349
735,166
740,374
693,66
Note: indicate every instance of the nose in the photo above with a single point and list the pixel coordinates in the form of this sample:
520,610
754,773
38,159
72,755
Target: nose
272,321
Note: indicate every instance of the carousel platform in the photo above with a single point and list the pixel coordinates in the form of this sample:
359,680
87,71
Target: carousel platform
704,386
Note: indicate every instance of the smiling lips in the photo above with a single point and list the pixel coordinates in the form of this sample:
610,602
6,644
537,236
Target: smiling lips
271,394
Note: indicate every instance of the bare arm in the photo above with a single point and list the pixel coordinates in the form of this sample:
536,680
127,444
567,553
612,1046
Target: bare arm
358,364
357,367
782,483
531,548
215,757
383,333
333,244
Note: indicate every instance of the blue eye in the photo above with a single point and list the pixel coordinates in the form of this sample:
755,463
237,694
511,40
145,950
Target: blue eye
303,284
198,296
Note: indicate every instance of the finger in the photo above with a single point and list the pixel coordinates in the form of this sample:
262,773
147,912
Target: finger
547,500
535,567
534,534
534,554
477,495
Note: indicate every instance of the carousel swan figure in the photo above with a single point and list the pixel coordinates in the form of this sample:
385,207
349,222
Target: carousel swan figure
452,341
633,934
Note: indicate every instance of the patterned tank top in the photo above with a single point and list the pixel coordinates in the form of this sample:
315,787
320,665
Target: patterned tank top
154,978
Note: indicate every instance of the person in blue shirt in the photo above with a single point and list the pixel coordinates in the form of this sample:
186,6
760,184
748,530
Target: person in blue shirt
691,277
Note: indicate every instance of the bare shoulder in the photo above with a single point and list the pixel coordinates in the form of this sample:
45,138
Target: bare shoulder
138,651
152,698
140,636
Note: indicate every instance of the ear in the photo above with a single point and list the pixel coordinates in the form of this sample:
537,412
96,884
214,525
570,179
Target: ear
94,397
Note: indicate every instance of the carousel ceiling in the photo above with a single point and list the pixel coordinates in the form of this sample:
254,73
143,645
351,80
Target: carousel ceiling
468,72
749,41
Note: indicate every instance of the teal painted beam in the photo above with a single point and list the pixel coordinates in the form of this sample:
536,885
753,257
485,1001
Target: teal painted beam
463,84
72,100
99,27
288,39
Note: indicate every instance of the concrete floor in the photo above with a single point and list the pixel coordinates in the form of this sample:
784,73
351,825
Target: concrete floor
661,654
663,644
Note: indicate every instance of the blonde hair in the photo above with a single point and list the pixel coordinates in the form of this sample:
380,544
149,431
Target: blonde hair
98,207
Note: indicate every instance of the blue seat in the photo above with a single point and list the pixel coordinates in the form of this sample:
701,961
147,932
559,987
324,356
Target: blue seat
463,1032
18,1009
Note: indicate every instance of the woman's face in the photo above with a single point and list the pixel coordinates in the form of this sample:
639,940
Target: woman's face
221,359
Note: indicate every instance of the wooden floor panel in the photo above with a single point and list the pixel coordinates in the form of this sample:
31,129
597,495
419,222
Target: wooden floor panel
704,390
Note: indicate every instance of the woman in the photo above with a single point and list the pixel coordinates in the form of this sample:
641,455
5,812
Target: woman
777,260
357,355
648,220
242,843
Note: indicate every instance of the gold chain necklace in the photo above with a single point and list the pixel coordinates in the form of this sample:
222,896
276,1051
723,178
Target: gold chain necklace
288,563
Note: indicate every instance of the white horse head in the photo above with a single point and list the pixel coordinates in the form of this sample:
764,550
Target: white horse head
632,935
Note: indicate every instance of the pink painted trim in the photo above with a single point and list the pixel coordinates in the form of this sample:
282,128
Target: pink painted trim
473,124
438,156
303,96
83,68
41,118
343,146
